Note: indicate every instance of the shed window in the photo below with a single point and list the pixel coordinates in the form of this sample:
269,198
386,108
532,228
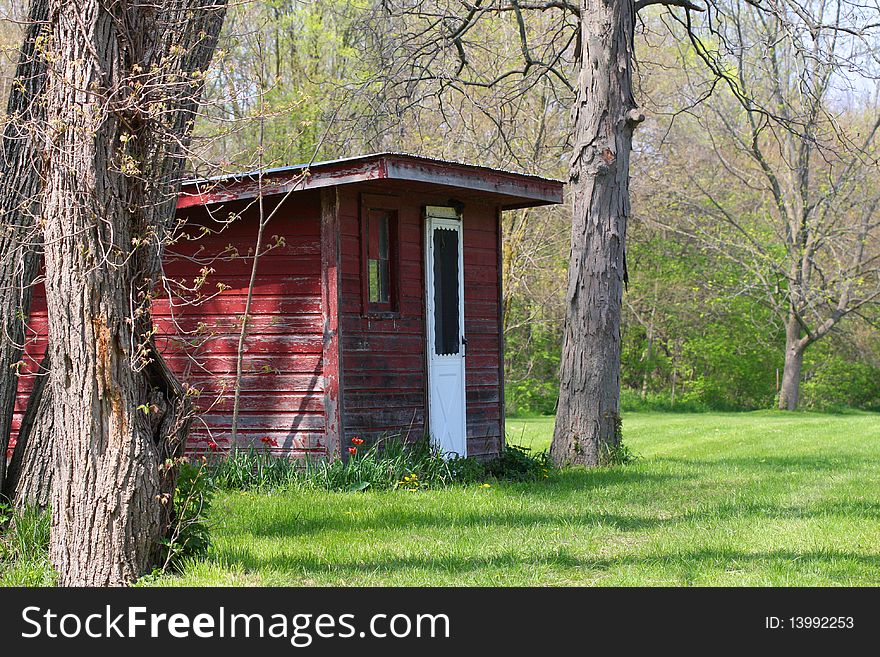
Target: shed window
380,236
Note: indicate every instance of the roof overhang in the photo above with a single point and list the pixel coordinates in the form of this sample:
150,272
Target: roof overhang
513,190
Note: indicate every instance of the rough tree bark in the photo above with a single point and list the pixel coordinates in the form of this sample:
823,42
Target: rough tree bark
603,118
121,94
19,191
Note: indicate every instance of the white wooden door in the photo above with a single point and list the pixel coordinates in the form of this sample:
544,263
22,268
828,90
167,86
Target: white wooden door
444,278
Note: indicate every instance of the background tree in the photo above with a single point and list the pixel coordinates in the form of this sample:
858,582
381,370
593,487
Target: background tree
604,116
794,128
317,98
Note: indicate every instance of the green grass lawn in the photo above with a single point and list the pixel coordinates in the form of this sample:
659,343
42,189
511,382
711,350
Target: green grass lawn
764,499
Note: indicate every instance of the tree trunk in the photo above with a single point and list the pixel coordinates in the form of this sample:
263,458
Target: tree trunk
29,476
604,116
19,237
789,391
121,97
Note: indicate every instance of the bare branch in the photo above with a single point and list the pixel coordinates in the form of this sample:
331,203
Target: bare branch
686,4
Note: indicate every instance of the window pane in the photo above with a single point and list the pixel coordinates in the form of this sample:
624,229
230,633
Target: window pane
446,310
373,272
378,238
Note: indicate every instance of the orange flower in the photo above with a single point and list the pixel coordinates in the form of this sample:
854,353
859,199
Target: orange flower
271,442
357,441
352,450
212,445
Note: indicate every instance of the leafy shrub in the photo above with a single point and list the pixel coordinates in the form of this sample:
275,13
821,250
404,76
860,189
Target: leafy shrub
519,464
466,470
836,382
384,465
619,454
189,534
531,397
631,400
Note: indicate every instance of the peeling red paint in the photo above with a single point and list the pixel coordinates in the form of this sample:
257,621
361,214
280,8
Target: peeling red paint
330,316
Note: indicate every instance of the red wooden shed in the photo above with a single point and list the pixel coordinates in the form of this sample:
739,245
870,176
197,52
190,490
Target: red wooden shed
376,311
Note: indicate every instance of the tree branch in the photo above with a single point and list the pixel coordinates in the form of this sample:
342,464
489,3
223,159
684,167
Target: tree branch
687,4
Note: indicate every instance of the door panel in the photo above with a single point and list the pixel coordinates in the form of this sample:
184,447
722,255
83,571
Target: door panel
445,324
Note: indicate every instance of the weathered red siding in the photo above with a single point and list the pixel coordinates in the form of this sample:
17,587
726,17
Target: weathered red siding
485,421
383,358
35,347
282,388
282,392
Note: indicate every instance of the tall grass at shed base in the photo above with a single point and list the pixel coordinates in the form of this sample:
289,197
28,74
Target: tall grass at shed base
388,464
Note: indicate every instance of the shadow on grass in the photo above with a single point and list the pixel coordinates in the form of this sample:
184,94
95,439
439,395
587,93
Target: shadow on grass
843,464
832,564
579,480
756,511
400,516
404,520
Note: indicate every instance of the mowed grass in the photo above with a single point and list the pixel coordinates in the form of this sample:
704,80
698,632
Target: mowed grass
758,499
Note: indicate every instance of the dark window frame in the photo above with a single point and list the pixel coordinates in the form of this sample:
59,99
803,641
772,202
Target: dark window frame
446,277
372,205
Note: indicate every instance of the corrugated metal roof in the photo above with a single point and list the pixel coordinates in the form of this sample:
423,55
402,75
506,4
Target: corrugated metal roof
513,189
357,158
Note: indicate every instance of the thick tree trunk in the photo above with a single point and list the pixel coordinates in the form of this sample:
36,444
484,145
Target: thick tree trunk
121,98
604,116
789,390
19,237
29,477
